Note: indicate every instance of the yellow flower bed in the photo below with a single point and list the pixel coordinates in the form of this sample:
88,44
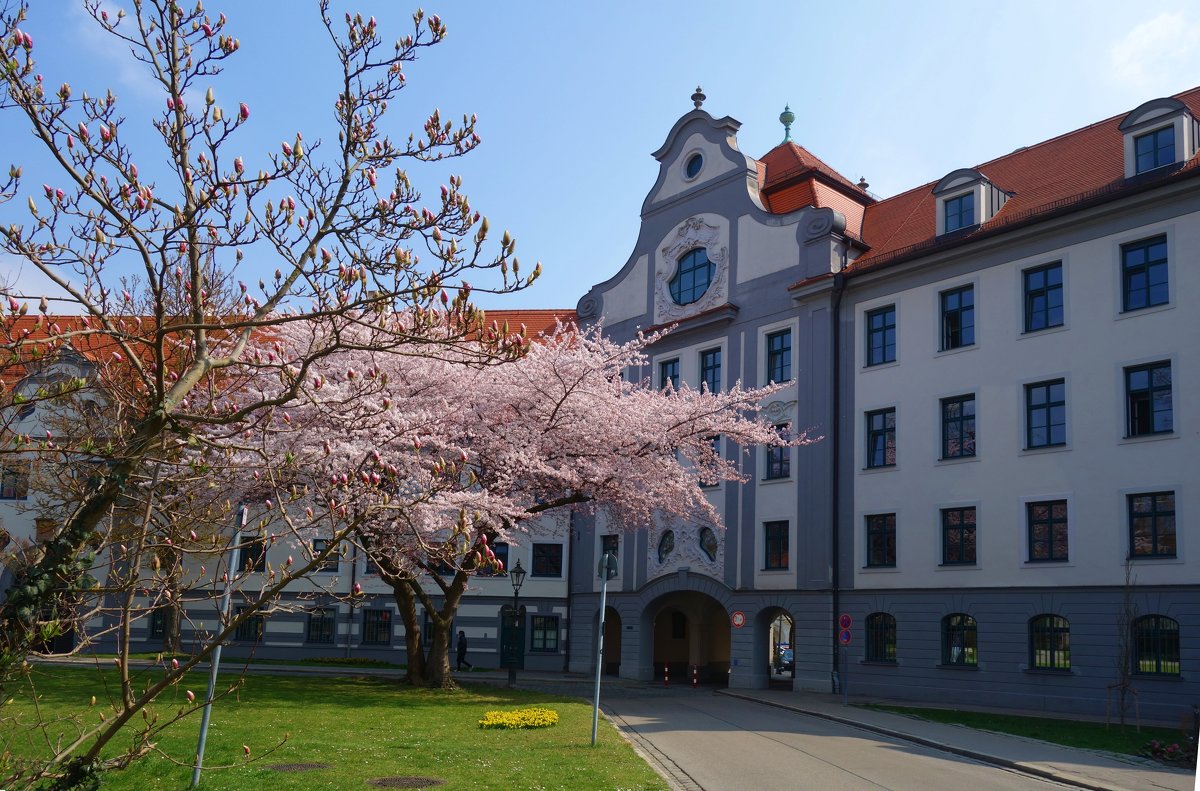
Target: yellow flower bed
521,718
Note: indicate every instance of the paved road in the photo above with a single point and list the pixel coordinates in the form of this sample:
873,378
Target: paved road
726,743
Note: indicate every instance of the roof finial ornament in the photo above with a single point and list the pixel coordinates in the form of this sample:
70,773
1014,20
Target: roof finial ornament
787,118
698,97
862,183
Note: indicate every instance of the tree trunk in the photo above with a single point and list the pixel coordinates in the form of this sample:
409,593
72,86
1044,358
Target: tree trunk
432,668
407,605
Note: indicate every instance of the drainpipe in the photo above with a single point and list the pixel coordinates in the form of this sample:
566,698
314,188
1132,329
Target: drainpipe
839,286
572,540
350,617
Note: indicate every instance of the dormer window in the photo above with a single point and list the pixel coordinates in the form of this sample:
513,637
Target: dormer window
960,211
1158,134
1155,149
966,198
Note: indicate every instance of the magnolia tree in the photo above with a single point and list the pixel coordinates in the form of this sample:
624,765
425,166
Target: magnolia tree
178,254
156,260
427,460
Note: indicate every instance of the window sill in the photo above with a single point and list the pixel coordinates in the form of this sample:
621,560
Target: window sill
1043,449
879,662
944,666
1047,671
878,569
1157,436
966,347
774,571
1060,563
973,566
955,460
1155,560
884,468
1125,314
878,366
1043,331
1171,677
769,481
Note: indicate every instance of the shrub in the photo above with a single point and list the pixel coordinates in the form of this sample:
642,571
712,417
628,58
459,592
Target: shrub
520,718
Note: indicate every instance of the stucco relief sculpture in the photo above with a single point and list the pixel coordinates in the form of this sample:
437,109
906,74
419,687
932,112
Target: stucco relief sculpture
696,548
778,411
692,233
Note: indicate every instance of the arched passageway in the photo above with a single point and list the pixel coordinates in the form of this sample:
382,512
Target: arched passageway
690,634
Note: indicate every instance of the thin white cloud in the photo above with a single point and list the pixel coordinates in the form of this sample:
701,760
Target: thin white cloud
1157,55
113,53
26,283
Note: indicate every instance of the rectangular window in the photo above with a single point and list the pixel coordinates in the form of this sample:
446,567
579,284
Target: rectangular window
960,211
881,438
1046,414
881,637
1148,408
330,566
881,335
668,374
14,480
1047,530
159,618
610,544
960,640
427,629
1155,149
1152,525
377,627
958,536
1144,274
253,555
370,567
320,625
547,560
775,537
543,631
710,370
249,630
779,459
881,540
958,318
1043,297
958,427
779,356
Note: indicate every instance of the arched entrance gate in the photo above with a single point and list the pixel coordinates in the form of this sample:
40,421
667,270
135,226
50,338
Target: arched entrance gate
688,631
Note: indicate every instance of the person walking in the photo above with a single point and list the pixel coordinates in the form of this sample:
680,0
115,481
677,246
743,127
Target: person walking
462,651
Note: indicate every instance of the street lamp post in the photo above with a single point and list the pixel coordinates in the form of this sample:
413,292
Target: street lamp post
516,575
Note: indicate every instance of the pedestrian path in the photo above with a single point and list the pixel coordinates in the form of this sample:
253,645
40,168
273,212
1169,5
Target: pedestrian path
1089,769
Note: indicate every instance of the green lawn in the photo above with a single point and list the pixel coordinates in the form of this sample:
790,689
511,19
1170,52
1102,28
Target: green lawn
1089,735
363,728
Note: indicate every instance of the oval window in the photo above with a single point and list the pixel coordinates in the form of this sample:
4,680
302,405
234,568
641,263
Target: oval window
692,168
692,278
666,545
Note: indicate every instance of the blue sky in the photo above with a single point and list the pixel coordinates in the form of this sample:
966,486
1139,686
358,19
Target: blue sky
573,97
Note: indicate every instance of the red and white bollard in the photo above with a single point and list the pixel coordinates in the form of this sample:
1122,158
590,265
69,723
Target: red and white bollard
695,676
666,675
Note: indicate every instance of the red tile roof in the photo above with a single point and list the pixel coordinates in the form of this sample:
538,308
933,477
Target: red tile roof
1063,173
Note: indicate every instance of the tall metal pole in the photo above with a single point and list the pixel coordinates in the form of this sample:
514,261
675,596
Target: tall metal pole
215,660
516,620
607,569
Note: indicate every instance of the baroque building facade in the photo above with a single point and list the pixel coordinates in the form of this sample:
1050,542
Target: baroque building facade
999,502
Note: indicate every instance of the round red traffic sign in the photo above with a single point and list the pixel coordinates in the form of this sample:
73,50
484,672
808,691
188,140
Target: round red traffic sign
738,619
844,637
845,621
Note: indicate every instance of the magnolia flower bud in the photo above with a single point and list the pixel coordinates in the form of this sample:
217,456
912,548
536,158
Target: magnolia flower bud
357,589
243,111
191,696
